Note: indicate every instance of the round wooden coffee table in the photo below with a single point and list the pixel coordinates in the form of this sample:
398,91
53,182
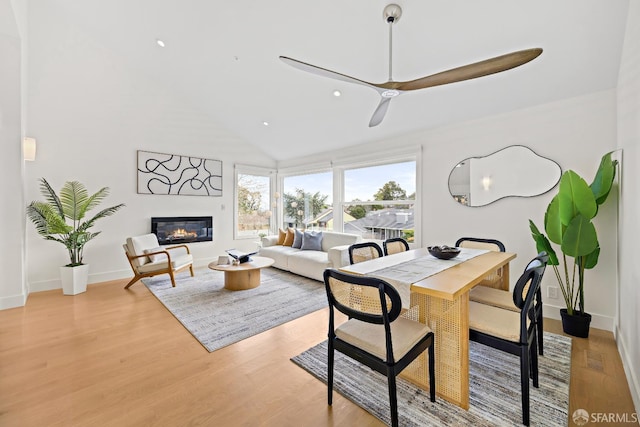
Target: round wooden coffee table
243,276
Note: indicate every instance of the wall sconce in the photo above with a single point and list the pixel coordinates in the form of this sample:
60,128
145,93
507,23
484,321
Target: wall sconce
29,149
486,183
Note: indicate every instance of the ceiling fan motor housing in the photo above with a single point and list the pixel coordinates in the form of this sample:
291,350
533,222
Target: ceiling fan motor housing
392,13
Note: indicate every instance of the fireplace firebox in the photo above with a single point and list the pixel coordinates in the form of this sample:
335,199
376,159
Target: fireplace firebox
182,229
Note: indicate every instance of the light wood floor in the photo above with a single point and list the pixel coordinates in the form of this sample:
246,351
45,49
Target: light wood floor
111,357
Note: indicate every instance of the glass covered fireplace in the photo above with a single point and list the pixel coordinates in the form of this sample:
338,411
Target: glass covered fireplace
182,229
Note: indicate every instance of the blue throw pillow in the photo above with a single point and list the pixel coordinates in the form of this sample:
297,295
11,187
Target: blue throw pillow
297,239
312,241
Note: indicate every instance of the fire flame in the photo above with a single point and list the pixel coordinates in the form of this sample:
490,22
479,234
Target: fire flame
181,233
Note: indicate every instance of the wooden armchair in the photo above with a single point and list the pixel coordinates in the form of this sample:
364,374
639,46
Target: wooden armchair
147,258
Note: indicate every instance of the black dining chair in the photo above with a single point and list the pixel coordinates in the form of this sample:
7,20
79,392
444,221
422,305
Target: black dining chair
394,245
375,334
493,280
359,252
513,332
504,299
480,243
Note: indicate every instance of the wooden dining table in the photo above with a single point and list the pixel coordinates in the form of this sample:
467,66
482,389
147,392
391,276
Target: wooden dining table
441,301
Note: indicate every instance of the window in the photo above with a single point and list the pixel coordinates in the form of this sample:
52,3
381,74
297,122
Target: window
379,201
253,206
307,201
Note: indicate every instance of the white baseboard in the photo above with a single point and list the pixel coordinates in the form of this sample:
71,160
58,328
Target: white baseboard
13,301
632,379
47,285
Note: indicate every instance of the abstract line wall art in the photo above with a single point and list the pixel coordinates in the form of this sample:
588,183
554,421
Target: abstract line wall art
160,173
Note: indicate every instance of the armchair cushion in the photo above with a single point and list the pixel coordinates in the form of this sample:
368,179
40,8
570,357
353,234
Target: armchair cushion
136,246
176,263
156,257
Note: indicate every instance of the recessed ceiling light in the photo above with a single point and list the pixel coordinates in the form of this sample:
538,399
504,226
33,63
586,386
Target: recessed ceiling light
160,42
265,123
337,93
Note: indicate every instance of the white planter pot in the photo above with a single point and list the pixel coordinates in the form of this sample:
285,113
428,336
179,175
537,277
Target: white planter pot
74,279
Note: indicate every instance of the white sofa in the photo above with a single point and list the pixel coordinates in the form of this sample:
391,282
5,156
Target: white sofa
334,254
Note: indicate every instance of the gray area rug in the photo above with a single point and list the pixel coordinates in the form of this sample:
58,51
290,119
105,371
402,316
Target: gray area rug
494,379
218,317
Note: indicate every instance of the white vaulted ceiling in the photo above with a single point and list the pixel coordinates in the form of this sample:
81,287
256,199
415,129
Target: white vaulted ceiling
222,58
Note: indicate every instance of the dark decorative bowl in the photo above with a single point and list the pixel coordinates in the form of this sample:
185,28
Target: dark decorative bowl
443,252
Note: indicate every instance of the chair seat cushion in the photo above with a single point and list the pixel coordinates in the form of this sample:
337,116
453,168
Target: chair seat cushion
177,262
495,321
494,297
405,334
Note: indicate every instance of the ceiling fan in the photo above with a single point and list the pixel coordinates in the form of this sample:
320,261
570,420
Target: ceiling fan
392,89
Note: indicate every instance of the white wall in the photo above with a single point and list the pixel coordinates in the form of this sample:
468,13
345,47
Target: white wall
629,141
90,114
12,286
574,132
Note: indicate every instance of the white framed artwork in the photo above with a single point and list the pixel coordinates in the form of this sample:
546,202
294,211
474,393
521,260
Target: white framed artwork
160,173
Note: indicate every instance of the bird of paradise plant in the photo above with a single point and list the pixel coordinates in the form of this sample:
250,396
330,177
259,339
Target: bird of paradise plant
568,223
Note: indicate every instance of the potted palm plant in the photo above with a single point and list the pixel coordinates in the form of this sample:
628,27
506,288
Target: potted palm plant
50,219
568,223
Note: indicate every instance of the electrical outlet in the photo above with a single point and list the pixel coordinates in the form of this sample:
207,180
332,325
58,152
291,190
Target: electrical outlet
552,292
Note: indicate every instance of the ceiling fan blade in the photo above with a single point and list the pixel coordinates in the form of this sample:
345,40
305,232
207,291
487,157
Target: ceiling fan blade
470,71
380,112
324,72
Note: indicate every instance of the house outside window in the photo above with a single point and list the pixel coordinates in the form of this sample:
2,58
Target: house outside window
379,201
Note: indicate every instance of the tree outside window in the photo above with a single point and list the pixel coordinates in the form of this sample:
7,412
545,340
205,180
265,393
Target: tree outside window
306,201
253,209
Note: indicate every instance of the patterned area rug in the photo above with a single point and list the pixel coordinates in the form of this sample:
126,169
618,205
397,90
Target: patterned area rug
218,317
494,378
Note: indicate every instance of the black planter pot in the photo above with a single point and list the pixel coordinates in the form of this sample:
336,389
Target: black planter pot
576,324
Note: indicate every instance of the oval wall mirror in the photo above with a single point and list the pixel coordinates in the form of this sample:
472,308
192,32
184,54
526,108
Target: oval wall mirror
514,171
